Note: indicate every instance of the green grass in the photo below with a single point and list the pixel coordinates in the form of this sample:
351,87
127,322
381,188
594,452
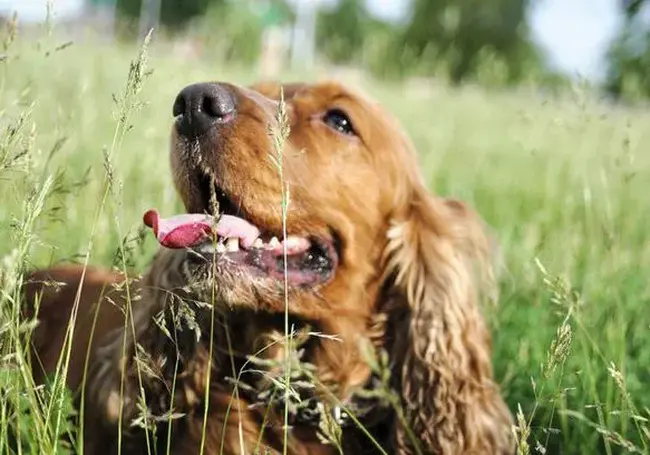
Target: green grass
561,181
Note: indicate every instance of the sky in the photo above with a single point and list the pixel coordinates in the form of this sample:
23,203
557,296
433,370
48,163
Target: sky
574,33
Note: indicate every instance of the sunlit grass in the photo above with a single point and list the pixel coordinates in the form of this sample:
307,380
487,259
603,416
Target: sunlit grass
561,181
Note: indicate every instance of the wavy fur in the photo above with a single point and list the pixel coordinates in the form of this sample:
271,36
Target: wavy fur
412,271
438,258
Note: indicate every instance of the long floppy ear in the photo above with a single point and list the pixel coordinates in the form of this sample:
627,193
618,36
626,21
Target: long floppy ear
437,260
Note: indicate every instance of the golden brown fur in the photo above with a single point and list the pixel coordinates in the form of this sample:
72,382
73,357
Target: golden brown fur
55,291
410,279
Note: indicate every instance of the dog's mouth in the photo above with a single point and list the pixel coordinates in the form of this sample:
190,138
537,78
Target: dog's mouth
301,260
235,243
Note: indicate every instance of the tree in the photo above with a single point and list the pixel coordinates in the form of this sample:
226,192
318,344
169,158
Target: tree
173,13
340,31
458,32
632,7
628,58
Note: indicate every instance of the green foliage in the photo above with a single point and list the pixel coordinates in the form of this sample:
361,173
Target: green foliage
459,32
444,38
632,7
341,31
628,76
173,13
231,31
629,57
484,41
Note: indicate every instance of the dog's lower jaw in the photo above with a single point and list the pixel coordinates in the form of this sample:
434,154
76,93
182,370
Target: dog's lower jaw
167,371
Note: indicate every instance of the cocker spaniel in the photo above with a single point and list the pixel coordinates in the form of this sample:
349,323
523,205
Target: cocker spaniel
316,296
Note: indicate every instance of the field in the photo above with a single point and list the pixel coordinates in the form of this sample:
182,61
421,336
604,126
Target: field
560,179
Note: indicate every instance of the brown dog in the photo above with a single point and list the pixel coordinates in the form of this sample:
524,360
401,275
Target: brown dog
374,263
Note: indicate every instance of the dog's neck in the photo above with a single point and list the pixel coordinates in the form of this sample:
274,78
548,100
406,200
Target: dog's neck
248,356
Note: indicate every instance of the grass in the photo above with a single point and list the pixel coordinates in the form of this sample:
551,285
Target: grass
561,181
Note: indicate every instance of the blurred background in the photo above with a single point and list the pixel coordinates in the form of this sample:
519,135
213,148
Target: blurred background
493,42
532,111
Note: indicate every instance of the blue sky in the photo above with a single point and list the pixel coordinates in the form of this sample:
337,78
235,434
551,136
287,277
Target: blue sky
575,33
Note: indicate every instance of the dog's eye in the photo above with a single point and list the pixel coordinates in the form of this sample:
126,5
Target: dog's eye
337,119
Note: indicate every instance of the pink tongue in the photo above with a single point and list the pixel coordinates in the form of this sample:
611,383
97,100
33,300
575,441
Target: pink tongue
182,231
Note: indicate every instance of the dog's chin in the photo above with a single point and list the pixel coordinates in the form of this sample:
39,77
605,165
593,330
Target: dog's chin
215,282
254,274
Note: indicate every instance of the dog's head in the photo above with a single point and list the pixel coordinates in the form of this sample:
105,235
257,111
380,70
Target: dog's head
324,196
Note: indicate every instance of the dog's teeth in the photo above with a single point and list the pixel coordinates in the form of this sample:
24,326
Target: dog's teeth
258,243
294,244
232,244
274,242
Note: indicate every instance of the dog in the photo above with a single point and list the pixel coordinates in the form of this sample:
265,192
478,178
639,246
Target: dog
337,309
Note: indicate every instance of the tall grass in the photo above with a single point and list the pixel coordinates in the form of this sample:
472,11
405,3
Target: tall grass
562,181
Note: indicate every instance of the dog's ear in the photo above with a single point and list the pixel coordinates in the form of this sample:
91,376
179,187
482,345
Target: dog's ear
437,261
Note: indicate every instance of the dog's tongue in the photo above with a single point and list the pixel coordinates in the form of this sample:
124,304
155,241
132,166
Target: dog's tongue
182,231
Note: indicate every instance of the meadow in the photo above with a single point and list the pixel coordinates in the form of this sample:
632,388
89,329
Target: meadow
561,180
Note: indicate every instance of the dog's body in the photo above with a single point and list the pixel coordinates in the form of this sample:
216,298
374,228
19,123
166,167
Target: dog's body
373,263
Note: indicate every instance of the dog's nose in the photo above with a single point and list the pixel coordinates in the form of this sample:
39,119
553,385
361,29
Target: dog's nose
198,107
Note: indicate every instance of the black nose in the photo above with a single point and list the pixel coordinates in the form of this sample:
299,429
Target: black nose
201,106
